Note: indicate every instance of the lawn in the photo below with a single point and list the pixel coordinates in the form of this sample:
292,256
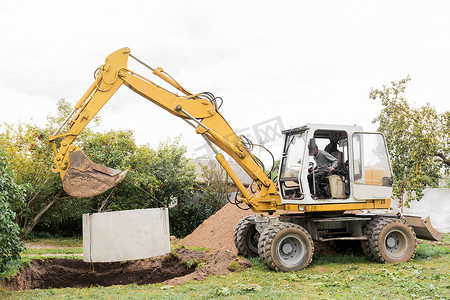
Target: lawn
340,276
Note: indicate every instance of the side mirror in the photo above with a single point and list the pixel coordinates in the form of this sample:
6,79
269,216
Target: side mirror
387,181
312,147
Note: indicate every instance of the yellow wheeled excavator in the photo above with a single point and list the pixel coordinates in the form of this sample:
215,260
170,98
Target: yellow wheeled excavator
353,201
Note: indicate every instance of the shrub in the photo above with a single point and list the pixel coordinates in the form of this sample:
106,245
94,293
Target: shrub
10,243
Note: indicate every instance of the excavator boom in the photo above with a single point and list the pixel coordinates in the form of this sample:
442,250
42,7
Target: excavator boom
83,178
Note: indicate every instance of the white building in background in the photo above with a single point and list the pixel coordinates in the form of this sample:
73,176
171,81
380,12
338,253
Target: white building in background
435,203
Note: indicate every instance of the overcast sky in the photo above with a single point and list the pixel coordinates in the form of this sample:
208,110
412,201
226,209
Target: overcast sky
295,61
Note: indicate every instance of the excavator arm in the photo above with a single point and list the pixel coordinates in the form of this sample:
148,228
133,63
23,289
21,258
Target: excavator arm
83,178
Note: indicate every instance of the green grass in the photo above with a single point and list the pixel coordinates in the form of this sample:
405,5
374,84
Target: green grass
68,256
328,277
201,249
57,242
75,250
425,251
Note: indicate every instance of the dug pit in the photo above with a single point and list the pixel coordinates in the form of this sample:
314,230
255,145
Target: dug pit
180,266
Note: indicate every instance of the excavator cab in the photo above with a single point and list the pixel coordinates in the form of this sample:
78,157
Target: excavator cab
362,169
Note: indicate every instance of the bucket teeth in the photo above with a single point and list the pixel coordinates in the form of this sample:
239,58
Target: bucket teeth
86,179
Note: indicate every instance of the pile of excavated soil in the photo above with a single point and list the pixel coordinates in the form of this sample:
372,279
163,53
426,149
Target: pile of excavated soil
216,232
178,267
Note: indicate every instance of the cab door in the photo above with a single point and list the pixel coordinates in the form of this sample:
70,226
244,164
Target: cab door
371,168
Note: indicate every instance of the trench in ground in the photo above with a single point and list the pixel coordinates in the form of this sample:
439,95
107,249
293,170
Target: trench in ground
60,273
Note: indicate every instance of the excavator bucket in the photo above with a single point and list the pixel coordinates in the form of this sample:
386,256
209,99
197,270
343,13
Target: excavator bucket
423,228
86,179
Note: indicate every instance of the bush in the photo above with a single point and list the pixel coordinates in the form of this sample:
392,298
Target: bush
10,243
186,216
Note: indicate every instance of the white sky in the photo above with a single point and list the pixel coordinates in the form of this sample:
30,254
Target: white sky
299,61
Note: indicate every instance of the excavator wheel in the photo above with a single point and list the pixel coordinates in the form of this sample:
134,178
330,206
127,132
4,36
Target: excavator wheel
391,240
246,237
365,246
285,247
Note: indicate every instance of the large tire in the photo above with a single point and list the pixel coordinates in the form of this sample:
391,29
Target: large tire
285,247
391,240
246,237
365,246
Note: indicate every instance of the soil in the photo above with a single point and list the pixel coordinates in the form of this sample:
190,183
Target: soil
216,232
177,267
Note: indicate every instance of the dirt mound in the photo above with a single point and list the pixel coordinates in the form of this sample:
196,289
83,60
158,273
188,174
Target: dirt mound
179,266
216,232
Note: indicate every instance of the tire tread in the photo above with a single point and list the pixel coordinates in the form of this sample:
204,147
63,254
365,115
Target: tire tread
266,239
374,240
240,238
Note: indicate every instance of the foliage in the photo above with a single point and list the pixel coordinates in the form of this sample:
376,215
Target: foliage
207,200
216,184
275,169
63,219
13,268
418,140
10,191
172,168
27,152
187,215
155,178
426,251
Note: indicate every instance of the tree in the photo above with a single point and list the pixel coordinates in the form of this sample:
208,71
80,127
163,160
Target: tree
216,190
417,138
208,198
10,243
28,153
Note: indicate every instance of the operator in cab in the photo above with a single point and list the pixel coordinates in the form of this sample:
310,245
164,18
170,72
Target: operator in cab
325,164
